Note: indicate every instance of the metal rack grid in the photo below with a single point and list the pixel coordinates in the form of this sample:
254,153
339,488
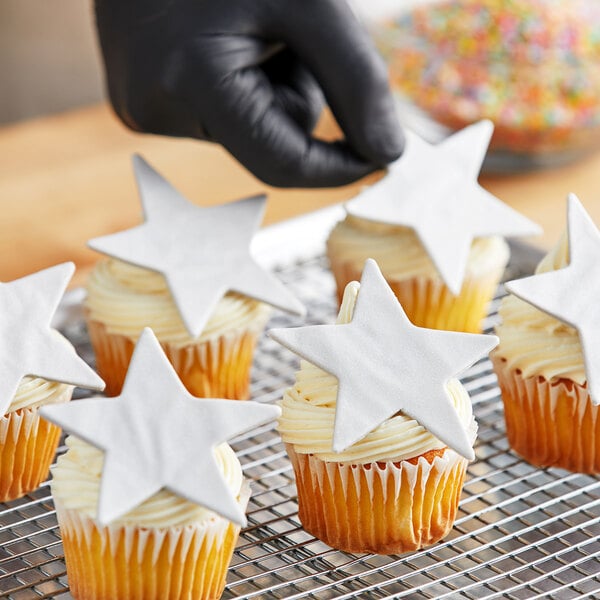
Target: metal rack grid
521,532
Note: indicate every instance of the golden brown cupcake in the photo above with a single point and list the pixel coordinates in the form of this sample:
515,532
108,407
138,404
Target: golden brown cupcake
39,367
435,232
187,273
396,487
552,417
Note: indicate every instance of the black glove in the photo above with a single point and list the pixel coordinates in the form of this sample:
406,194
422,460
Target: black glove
244,73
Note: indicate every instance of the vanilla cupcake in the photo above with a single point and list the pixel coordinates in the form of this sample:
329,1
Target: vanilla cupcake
39,367
187,273
396,488
413,277
27,441
435,232
551,416
123,299
149,497
167,547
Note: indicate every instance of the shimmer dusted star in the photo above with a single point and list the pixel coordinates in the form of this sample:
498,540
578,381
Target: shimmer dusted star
385,364
203,253
571,294
28,343
157,435
434,190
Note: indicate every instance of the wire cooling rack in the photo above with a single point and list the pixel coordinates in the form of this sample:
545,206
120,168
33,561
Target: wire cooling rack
521,532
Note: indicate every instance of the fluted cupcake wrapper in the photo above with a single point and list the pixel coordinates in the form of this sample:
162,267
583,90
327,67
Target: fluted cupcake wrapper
429,303
215,368
385,508
27,447
129,562
549,423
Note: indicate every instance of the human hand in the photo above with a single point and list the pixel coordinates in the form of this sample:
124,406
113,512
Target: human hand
251,75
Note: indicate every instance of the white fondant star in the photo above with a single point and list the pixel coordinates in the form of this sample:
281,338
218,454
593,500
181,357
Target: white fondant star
203,253
385,364
28,343
157,435
433,189
571,294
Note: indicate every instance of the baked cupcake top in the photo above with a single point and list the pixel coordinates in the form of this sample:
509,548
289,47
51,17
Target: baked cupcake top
309,406
386,375
400,254
535,342
30,347
202,253
33,392
76,481
125,299
433,189
154,442
569,296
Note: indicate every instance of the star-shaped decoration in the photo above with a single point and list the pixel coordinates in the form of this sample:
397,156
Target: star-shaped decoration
157,435
28,343
385,364
434,190
203,252
571,294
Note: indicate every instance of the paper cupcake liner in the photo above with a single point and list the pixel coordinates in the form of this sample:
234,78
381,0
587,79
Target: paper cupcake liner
550,424
215,368
429,303
141,563
384,508
27,446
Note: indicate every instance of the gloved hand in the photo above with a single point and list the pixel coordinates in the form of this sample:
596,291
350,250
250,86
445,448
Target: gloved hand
248,74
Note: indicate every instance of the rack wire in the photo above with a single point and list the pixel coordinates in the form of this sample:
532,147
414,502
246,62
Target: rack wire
521,532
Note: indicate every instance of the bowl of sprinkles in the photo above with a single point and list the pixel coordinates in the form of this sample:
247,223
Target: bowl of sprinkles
530,66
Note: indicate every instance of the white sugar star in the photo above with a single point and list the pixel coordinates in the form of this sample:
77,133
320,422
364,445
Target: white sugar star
571,294
434,190
203,253
385,364
157,435
28,343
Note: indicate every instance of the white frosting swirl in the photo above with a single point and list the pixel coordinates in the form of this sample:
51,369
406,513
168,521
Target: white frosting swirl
399,252
536,343
76,484
34,392
126,299
308,412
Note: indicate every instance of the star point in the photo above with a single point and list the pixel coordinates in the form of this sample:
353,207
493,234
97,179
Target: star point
203,252
570,294
157,435
385,364
433,189
28,343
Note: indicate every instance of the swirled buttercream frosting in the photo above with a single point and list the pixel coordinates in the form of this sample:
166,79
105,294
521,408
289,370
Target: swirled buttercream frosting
34,392
308,413
126,298
76,484
536,343
399,252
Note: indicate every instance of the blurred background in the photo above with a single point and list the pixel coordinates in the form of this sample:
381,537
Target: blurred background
48,58
532,66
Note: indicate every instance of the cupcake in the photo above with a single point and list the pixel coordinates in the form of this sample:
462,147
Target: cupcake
186,273
167,547
546,361
434,231
28,442
378,429
39,367
149,496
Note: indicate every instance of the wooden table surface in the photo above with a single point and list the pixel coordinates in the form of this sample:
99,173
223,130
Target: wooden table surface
67,178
